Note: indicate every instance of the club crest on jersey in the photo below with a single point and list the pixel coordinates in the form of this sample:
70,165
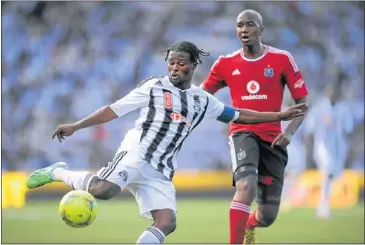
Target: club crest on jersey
197,106
124,175
167,97
269,72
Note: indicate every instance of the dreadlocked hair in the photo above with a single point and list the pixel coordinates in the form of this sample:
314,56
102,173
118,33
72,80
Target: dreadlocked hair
190,48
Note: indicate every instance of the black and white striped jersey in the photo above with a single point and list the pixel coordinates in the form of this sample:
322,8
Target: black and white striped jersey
167,116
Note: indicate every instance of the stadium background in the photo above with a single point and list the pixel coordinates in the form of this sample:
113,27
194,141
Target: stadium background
62,60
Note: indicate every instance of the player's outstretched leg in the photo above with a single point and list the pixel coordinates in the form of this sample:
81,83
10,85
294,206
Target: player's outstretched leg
77,180
44,176
164,223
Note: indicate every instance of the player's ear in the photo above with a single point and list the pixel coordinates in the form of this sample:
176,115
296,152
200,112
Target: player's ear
262,28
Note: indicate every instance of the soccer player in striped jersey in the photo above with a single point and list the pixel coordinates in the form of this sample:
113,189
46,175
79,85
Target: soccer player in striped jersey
145,163
256,75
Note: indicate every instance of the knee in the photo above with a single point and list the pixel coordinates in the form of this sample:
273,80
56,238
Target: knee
267,214
171,226
102,189
165,221
166,225
246,188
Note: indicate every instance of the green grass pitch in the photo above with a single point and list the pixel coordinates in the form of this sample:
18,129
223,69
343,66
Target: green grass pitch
199,221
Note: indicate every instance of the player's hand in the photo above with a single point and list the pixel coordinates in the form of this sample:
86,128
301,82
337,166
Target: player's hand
293,112
64,130
282,140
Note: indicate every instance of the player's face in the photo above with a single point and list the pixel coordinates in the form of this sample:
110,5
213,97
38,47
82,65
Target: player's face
248,29
180,67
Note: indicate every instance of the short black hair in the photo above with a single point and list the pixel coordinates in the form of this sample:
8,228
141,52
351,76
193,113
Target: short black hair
189,48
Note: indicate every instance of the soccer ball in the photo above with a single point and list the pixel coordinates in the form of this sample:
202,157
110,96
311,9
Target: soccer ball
78,208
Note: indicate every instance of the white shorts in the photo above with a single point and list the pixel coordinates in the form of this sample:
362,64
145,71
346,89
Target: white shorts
151,188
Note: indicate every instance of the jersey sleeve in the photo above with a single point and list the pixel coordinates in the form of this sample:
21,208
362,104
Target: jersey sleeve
135,99
294,78
217,110
215,79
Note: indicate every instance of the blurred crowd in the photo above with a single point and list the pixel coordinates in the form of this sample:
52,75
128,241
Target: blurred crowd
63,60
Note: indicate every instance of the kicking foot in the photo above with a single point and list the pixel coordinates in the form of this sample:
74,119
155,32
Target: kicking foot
250,236
43,176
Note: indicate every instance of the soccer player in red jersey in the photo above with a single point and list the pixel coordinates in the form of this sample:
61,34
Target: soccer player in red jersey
256,75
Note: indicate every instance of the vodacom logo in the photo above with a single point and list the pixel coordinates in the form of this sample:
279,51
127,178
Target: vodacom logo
253,88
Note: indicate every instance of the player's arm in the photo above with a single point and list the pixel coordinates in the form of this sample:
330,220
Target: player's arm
216,109
215,79
136,99
102,115
246,116
296,122
296,84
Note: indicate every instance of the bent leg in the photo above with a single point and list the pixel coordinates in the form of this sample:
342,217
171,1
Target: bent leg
156,198
273,161
164,223
268,198
103,189
265,215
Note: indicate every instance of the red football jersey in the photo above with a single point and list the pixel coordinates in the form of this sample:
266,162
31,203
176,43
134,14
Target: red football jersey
257,84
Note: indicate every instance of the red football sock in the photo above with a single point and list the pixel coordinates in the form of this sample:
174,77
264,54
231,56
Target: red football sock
252,221
238,216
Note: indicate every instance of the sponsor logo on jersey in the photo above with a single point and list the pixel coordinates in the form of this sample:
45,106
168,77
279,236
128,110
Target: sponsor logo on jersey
299,83
254,97
253,88
236,72
177,117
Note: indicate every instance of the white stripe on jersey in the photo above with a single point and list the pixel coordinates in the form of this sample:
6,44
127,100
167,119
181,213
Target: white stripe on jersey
167,116
288,54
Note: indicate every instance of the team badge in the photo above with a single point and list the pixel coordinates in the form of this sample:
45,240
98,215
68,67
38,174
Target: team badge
197,106
124,175
269,72
241,155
